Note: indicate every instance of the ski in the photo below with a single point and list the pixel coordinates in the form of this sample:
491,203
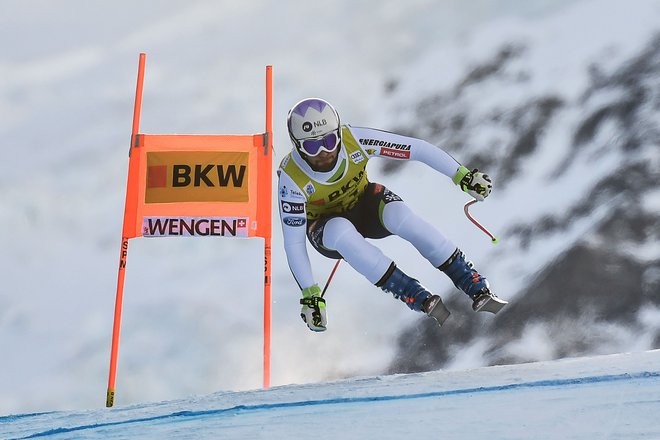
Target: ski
488,302
437,310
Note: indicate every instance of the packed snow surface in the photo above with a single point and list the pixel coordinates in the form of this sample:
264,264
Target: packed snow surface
605,397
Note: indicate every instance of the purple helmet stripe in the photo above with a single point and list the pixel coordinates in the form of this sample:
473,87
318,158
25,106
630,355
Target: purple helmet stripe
316,104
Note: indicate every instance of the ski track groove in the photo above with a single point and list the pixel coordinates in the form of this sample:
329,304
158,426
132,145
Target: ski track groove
587,380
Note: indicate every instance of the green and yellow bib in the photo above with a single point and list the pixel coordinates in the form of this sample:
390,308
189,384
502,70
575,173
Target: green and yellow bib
343,190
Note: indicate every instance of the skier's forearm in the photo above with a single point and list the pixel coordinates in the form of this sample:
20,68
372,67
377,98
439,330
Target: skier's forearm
293,217
301,268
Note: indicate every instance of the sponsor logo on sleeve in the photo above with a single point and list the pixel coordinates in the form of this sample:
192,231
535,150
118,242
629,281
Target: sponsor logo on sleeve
396,154
294,221
195,226
293,208
286,192
388,149
296,193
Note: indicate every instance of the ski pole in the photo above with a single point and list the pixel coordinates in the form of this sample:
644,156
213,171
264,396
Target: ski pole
332,274
493,239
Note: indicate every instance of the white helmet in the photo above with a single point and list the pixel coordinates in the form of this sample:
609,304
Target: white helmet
314,126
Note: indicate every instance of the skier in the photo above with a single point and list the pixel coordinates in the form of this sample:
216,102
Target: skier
324,194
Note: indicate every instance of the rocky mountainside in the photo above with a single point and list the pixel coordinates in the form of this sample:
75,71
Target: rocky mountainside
574,149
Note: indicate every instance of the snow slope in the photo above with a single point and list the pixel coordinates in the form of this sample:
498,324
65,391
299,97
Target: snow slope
606,397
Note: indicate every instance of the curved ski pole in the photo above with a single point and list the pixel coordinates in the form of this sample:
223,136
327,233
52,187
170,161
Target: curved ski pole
332,274
493,239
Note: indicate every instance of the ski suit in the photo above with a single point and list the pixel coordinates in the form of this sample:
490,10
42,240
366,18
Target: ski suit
338,209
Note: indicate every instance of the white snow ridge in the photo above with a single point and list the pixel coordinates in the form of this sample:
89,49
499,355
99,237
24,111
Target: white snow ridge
607,397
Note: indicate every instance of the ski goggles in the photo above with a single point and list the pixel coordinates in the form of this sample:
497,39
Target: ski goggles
313,146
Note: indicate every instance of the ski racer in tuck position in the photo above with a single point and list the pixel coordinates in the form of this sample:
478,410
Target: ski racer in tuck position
325,196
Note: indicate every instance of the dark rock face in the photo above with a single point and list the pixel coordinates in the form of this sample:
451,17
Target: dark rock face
582,288
596,291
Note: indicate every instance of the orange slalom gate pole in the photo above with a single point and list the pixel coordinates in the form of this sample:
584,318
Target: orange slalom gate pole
265,218
129,224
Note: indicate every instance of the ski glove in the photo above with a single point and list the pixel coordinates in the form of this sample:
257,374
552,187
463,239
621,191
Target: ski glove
313,309
475,183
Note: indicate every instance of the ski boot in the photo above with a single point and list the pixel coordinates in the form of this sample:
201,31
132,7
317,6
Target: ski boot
413,294
466,278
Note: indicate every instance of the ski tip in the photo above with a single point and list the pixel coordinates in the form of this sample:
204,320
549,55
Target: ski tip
493,306
440,318
440,313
